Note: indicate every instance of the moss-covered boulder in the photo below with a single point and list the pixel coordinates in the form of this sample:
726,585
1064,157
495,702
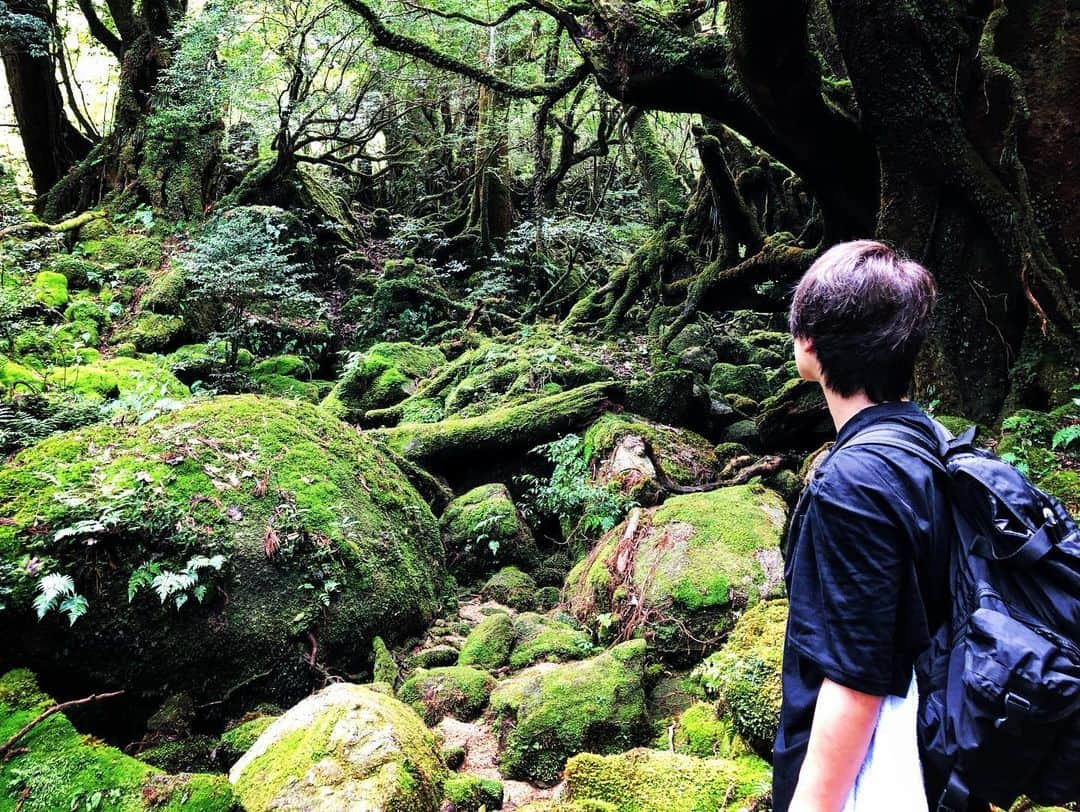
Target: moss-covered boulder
511,587
796,417
538,638
345,747
489,643
54,767
653,781
471,793
748,380
165,293
626,450
548,712
111,378
151,332
745,674
456,690
691,566
702,730
238,739
256,521
483,530
50,289
380,377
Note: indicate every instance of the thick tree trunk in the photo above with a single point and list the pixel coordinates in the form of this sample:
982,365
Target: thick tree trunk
51,143
946,114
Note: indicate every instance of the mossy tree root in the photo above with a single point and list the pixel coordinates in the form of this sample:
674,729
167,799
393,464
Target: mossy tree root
460,442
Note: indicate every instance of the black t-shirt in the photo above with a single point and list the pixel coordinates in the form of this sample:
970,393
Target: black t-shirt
866,575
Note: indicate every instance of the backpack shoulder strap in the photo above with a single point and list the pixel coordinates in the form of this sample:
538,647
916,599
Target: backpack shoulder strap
895,435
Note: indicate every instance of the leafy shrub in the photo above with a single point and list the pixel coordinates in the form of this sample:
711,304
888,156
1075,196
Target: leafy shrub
239,268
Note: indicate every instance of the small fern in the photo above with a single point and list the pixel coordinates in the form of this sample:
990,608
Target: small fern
1065,437
180,586
56,591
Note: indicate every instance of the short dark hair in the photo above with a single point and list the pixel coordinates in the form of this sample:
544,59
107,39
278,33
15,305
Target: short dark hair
866,308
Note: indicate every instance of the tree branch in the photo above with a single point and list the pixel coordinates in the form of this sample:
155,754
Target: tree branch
401,43
41,717
100,32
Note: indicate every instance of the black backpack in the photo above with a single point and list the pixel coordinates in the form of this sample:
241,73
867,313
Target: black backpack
999,710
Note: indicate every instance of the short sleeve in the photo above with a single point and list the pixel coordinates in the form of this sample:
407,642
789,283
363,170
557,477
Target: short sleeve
847,598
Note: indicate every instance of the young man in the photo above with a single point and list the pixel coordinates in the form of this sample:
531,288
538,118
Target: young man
866,560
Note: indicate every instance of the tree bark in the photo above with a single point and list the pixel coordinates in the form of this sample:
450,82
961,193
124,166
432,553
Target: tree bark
51,142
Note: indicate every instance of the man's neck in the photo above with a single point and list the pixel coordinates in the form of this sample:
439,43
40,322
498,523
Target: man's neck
841,408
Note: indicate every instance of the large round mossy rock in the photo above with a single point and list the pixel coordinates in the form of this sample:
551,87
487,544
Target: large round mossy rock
483,530
746,673
209,545
638,456
54,767
345,747
548,712
691,565
380,377
455,690
656,781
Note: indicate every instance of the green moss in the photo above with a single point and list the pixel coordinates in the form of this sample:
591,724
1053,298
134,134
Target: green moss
124,251
653,781
236,741
698,559
746,673
748,380
488,645
434,657
385,668
150,332
285,386
357,549
349,746
701,731
119,377
1064,485
57,768
15,377
483,530
549,712
84,307
511,587
79,272
421,410
542,639
381,377
292,366
50,289
686,457
190,754
671,396
471,793
456,690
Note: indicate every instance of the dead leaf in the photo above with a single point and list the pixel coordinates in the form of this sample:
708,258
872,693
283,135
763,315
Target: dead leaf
271,543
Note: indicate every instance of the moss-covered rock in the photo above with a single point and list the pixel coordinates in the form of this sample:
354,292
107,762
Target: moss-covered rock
748,380
50,289
511,587
548,712
543,639
113,378
653,781
237,740
292,366
692,564
345,747
489,643
183,755
625,450
434,657
165,293
285,386
483,530
385,667
471,793
315,527
1064,485
673,397
701,730
381,377
745,673
124,251
79,272
796,416
457,690
151,332
54,767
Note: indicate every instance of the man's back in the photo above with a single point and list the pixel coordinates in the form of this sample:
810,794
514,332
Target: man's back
866,574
